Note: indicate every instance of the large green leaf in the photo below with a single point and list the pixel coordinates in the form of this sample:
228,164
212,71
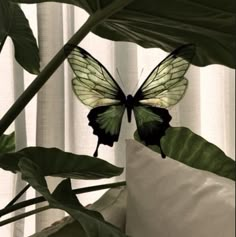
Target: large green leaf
7,143
92,223
182,144
167,24
4,21
14,24
55,162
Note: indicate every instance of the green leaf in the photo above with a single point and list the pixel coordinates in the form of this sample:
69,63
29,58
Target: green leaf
168,24
92,223
4,18
7,143
55,162
182,144
15,25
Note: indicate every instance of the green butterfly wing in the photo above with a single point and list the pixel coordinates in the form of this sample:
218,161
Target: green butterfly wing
106,122
152,123
96,88
93,84
166,85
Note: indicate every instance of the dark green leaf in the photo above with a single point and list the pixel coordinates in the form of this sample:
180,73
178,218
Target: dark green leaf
55,162
182,144
15,25
4,21
92,222
7,143
168,24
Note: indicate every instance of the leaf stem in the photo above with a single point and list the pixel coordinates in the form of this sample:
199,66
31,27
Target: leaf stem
18,196
32,201
23,215
57,60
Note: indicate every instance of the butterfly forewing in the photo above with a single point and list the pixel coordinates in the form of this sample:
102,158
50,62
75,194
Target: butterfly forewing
166,84
93,84
93,99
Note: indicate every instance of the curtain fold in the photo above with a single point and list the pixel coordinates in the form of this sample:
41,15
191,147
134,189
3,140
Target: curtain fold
56,118
21,142
50,98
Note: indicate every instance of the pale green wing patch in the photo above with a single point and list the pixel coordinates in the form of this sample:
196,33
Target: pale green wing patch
166,85
110,120
93,84
91,97
168,96
143,116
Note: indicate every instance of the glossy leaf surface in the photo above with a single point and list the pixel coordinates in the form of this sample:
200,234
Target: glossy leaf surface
55,162
14,24
167,24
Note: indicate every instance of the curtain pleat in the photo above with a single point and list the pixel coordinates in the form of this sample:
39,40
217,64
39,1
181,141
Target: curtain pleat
7,179
50,99
21,142
215,127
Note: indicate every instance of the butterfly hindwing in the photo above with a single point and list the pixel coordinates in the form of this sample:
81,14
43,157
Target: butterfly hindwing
166,85
152,123
93,84
96,88
106,123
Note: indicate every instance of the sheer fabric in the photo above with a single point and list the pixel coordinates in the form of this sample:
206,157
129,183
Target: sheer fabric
55,117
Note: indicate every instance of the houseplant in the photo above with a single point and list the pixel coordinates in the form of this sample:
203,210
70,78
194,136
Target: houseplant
30,161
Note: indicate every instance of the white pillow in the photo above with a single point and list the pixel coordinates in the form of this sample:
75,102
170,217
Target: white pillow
112,205
169,199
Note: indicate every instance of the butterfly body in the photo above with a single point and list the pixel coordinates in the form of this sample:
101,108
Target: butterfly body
129,103
96,88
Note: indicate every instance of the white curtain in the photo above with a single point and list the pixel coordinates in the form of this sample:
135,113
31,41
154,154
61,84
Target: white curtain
55,118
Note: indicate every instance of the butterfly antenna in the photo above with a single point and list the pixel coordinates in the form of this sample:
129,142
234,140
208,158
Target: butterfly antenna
141,73
122,83
136,85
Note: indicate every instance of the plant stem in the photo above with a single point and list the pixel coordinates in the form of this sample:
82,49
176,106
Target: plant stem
20,205
57,60
18,196
98,187
42,199
23,215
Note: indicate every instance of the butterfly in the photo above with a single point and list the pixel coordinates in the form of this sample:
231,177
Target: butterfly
95,87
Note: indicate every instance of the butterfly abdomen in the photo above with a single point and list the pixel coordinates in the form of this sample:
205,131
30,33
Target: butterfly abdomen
129,104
